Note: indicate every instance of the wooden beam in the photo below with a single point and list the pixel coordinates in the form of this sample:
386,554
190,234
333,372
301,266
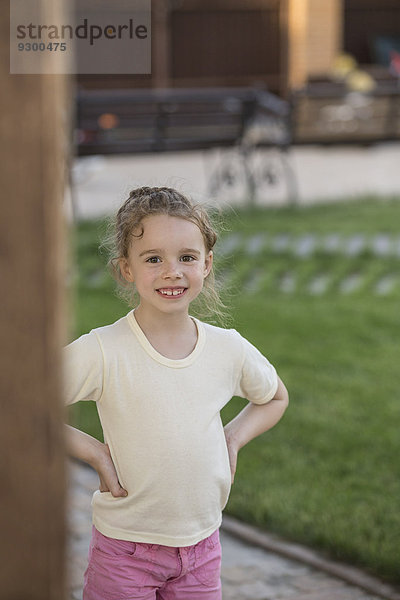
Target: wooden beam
297,42
315,38
33,147
324,35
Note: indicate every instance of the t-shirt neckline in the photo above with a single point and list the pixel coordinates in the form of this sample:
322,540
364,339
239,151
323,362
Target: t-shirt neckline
176,363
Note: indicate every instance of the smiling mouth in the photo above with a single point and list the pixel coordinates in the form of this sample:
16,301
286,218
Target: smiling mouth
171,292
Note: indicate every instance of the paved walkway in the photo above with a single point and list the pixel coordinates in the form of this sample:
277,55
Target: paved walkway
323,174
321,278
248,572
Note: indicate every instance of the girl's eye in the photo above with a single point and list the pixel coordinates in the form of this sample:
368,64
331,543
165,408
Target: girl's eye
153,259
187,258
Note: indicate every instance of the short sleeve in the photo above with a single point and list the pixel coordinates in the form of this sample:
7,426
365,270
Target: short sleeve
83,368
257,381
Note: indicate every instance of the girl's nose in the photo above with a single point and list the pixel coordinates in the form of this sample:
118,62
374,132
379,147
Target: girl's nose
172,271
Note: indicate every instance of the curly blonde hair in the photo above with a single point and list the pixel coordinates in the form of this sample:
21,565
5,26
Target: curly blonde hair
141,203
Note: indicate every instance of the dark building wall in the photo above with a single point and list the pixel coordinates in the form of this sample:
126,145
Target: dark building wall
364,22
204,43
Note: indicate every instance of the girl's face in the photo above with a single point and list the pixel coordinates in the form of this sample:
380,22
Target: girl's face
168,264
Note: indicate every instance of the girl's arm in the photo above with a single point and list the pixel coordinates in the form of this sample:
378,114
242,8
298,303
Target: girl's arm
252,421
85,447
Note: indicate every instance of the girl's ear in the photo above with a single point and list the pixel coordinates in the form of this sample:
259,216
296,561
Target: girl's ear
125,269
208,263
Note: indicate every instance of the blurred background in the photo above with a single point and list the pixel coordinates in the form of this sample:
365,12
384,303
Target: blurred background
266,80
285,116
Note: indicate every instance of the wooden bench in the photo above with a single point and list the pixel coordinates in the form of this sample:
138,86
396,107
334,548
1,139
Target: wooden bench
162,120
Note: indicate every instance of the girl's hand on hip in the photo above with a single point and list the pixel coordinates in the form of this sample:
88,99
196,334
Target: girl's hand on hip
108,475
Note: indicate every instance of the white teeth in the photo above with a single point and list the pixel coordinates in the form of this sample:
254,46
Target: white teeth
172,292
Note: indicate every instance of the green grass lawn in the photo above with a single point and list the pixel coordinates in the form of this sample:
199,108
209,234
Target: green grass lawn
328,475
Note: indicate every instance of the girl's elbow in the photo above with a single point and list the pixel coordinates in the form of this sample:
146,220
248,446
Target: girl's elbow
286,399
282,394
283,399
285,394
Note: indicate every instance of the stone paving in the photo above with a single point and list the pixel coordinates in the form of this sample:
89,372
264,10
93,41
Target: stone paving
297,249
305,245
248,572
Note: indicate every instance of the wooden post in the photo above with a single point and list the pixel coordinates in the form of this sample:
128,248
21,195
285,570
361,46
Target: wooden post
297,42
314,39
33,116
324,35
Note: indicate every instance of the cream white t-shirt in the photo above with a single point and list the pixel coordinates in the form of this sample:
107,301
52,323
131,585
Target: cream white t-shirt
161,420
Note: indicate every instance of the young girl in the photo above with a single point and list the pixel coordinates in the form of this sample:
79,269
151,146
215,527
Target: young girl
160,378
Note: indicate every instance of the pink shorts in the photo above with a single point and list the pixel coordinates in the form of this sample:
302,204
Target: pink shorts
122,570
